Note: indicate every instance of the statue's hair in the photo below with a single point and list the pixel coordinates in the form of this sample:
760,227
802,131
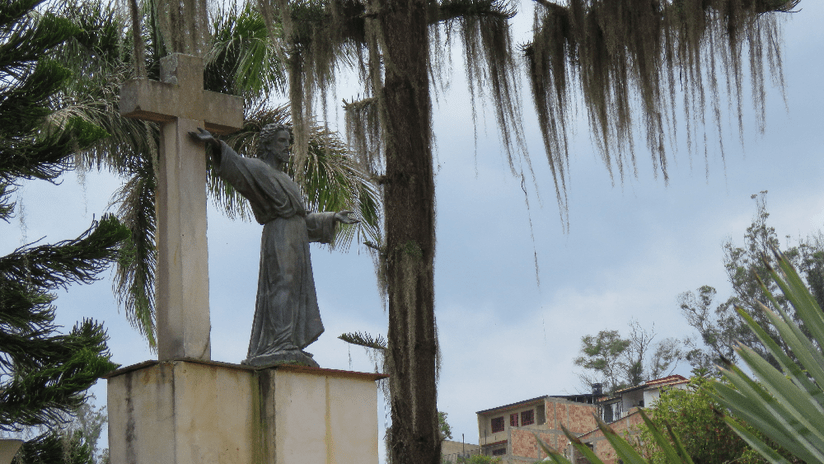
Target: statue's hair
269,131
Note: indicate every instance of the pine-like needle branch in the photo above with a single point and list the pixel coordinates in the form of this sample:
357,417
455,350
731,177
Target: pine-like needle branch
47,374
44,374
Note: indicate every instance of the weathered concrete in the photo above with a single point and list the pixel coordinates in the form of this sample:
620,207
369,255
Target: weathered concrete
180,94
192,412
181,105
182,299
8,448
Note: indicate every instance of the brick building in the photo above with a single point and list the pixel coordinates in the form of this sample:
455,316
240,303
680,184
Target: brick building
509,431
625,426
621,413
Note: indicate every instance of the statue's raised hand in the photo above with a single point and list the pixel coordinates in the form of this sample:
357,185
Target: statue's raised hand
204,136
344,217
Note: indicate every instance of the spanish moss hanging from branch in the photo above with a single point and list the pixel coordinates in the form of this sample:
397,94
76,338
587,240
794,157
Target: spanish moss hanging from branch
630,58
318,38
490,66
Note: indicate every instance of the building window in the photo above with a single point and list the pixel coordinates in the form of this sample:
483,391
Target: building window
498,424
513,420
528,417
540,411
608,417
499,452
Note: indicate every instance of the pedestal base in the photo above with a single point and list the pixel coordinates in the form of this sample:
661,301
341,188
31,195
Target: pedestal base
192,412
8,449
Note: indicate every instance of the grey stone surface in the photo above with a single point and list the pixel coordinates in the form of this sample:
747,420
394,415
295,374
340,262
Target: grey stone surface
180,104
8,448
201,412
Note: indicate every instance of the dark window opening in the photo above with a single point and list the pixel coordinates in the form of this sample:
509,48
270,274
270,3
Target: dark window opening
513,420
528,417
499,452
498,424
608,417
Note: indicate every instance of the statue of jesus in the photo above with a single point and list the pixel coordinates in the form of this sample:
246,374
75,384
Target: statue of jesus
287,318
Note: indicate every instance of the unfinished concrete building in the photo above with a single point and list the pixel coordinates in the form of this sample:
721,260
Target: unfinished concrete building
509,431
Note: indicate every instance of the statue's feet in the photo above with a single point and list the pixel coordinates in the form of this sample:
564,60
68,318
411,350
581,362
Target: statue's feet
297,357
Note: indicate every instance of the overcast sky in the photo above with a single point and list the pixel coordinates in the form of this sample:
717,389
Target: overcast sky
630,249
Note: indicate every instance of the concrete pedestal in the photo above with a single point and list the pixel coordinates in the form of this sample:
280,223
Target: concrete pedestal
192,412
8,449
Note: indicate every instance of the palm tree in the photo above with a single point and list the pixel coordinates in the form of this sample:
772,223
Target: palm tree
241,60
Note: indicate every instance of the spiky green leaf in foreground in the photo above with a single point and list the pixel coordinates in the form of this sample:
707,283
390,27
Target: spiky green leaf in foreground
786,405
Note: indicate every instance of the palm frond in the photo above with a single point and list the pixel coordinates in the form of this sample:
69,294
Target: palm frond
243,58
134,280
100,61
365,340
330,180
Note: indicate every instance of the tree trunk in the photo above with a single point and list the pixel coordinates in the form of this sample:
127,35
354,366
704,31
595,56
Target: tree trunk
410,232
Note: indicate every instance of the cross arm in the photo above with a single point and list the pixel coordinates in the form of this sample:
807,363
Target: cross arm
164,102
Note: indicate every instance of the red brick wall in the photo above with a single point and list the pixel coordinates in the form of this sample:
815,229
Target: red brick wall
577,417
555,439
606,452
581,418
602,448
524,443
560,415
629,422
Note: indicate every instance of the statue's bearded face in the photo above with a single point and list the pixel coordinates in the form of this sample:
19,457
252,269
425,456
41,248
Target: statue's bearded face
278,144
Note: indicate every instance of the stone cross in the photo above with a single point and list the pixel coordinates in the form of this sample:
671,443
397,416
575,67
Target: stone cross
180,105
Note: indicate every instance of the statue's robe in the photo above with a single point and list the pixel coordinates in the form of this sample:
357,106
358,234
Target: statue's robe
286,308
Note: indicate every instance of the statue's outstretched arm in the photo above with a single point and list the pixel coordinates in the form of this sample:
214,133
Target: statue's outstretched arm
203,135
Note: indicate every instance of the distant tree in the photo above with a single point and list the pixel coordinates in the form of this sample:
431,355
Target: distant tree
44,374
444,427
691,414
617,362
720,328
76,443
88,424
55,448
602,357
